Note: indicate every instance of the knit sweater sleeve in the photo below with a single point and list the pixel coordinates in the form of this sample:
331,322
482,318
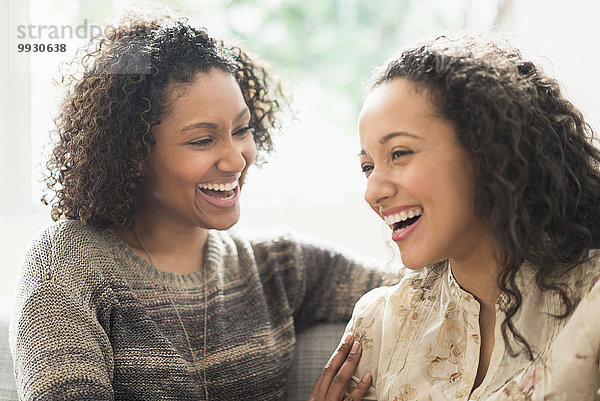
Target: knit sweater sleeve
61,350
322,281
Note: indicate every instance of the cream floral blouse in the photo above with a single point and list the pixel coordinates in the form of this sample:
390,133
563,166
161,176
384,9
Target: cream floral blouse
421,340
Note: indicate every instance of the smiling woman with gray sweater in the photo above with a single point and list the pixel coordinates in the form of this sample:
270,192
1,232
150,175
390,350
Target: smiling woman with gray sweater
94,321
139,291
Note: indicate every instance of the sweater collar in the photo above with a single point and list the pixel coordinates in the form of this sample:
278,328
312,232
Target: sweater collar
214,251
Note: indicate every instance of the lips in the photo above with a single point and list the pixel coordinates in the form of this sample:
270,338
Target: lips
400,232
402,221
223,195
220,194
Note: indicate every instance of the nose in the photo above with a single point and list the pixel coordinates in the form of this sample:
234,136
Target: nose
235,156
379,188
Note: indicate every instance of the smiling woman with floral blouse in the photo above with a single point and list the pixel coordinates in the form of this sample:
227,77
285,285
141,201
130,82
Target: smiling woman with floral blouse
489,181
142,289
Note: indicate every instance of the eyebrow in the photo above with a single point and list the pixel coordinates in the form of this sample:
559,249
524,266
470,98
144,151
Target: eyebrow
389,136
209,125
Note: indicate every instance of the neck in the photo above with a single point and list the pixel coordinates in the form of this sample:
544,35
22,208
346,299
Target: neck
478,276
171,247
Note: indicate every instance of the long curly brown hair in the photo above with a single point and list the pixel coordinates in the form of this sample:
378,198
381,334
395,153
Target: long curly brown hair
538,181
131,74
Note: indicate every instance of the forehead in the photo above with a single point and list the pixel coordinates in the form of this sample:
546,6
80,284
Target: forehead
397,105
208,90
399,113
396,95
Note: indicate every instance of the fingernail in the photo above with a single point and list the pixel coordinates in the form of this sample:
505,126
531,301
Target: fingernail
355,346
366,377
348,338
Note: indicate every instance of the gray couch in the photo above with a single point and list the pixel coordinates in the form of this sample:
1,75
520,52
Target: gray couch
313,348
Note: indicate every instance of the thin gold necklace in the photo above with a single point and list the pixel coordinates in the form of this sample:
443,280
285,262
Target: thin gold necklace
202,376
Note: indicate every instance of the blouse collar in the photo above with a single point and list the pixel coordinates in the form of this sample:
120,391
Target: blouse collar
524,278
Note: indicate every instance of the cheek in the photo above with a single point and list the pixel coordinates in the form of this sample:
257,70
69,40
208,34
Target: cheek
419,179
249,151
465,177
458,187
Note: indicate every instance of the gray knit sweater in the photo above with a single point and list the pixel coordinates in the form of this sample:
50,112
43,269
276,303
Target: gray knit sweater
92,321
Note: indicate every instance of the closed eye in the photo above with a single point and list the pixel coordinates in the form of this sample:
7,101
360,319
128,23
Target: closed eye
202,142
366,168
401,152
243,131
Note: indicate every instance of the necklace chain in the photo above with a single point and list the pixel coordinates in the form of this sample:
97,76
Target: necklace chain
202,376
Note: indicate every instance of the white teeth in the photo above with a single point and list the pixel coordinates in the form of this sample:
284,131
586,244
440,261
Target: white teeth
402,216
219,187
398,231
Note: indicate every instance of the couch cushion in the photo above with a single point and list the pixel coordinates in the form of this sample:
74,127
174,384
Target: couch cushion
314,346
8,392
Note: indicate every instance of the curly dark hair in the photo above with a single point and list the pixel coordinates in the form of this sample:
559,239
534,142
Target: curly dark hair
131,74
538,181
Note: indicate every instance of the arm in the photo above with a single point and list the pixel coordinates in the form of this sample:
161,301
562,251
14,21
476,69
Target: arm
320,283
60,349
57,350
335,280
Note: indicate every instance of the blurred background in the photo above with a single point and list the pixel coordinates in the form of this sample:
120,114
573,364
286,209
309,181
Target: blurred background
323,50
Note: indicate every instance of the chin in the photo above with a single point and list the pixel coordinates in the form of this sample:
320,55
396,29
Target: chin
413,263
224,227
413,267
225,224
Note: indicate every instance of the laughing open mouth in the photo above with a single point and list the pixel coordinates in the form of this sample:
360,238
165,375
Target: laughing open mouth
399,221
220,191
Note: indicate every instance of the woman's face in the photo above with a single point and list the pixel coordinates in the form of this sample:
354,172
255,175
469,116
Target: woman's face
420,180
203,149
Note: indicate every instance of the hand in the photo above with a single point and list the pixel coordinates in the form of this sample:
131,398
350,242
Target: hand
336,375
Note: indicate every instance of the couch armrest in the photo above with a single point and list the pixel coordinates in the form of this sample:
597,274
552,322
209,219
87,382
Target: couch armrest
314,346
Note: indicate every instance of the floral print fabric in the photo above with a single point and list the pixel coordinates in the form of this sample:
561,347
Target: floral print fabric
421,340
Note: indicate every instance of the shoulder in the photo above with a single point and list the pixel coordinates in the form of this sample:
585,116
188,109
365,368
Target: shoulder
373,304
65,235
592,268
62,239
369,318
281,246
588,275
585,277
275,245
274,239
270,251
64,252
583,286
282,238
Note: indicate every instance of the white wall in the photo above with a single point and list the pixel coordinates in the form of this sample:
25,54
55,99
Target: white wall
16,208
563,37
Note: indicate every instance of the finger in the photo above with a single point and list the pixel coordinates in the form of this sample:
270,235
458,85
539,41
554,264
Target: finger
315,389
333,365
344,374
361,389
